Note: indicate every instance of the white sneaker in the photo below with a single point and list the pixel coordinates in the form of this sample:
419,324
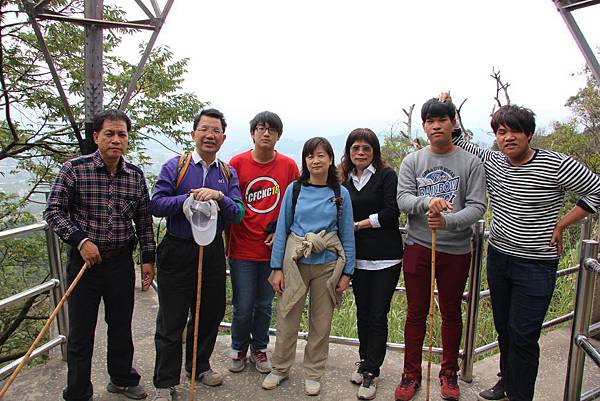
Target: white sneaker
368,388
164,394
273,380
237,361
312,387
261,361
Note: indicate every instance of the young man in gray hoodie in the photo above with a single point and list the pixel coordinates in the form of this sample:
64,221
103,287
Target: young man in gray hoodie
442,188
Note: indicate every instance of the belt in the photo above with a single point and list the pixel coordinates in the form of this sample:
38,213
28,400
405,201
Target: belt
107,254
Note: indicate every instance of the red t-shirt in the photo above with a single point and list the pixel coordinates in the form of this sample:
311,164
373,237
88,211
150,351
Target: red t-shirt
262,187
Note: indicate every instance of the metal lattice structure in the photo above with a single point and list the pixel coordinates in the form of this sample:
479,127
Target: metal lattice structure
565,8
94,24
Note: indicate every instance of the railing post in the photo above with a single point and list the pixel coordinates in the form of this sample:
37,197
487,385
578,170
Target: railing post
466,373
57,272
581,321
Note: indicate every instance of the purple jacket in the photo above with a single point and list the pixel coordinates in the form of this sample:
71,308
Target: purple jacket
168,202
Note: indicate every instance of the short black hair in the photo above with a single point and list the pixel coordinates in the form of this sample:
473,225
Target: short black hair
267,117
214,113
111,115
435,108
515,117
309,148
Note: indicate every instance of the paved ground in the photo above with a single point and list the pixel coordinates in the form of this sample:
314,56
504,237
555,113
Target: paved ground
44,383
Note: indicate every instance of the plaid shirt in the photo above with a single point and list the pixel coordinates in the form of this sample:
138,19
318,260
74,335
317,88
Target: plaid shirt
87,202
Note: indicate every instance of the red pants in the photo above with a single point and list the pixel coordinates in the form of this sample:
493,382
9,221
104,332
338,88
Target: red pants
451,272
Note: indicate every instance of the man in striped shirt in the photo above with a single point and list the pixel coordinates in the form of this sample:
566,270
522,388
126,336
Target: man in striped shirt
526,188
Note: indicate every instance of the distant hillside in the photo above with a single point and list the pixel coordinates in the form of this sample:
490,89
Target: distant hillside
234,144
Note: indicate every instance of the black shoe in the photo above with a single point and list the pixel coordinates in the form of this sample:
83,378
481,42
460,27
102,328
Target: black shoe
495,393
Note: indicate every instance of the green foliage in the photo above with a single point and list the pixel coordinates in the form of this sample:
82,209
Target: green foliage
23,264
34,129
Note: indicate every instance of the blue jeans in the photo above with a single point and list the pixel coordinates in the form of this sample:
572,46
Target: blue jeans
252,300
521,290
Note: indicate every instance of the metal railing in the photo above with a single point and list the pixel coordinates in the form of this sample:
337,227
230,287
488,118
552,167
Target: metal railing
55,285
580,345
471,297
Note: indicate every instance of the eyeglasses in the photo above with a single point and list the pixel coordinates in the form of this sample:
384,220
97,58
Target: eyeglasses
206,128
261,130
363,148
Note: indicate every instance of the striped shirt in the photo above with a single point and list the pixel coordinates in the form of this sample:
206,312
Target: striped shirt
526,199
87,202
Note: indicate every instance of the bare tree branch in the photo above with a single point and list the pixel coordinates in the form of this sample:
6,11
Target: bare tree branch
500,87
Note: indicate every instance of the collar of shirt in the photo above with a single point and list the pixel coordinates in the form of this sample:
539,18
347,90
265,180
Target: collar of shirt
99,163
359,183
205,166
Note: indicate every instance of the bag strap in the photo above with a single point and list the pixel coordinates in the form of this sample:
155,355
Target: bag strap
182,167
225,170
296,186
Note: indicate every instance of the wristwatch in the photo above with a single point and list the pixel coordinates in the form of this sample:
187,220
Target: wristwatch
356,226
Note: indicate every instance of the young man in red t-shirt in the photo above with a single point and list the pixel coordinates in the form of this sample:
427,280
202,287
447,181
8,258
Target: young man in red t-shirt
264,175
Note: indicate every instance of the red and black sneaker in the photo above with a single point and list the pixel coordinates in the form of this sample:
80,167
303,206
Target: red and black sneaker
407,388
449,385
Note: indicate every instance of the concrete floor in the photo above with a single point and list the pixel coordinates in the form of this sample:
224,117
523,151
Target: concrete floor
44,383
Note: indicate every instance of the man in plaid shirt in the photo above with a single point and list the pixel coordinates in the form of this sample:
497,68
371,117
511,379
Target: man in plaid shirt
93,206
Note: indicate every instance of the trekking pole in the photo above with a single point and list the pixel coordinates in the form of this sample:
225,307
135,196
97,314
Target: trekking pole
431,310
43,332
196,319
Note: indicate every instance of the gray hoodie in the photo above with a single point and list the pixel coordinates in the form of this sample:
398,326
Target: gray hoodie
458,177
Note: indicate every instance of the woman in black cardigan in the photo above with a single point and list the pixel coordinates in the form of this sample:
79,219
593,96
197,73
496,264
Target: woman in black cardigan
372,186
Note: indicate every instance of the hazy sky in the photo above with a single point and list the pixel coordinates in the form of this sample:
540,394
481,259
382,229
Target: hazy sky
329,66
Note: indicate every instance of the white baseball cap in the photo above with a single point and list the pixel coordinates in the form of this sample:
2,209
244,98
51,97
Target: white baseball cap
202,216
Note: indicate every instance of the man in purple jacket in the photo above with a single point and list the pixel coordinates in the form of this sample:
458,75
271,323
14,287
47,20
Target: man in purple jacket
205,178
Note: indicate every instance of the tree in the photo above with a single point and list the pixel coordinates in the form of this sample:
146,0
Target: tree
397,142
34,130
36,135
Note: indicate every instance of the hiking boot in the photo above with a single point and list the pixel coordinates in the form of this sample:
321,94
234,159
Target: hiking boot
133,392
237,361
357,377
368,388
261,361
164,394
312,387
496,393
449,385
273,380
211,378
407,388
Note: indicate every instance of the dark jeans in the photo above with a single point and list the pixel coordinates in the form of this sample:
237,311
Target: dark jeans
252,300
373,291
113,281
520,290
451,272
177,277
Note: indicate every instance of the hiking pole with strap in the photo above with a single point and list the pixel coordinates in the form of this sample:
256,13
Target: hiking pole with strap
196,321
44,330
431,310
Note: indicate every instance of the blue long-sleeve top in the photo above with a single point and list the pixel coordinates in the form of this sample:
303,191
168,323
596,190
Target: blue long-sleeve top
167,201
315,211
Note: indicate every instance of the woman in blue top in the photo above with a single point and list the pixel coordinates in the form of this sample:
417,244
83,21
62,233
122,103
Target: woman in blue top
313,251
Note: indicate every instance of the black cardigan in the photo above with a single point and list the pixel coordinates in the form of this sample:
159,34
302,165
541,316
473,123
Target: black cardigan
377,197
